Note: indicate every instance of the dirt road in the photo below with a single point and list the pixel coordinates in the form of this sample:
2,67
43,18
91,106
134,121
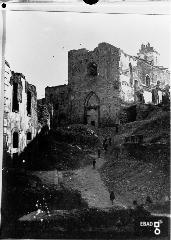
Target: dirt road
87,181
93,190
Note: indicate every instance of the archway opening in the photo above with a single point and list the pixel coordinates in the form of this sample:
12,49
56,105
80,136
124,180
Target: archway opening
92,110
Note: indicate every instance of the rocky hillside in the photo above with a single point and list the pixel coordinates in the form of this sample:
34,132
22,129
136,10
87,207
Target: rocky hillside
135,171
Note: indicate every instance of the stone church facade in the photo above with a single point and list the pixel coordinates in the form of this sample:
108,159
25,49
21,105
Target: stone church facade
103,81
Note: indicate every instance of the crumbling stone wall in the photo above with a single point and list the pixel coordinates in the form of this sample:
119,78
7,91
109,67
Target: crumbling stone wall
145,74
16,118
43,114
128,75
104,81
115,77
57,103
104,84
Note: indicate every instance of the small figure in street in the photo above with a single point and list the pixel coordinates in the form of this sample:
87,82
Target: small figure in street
104,142
135,204
148,200
94,164
112,197
105,147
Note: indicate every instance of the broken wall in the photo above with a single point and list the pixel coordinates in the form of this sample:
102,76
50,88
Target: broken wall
57,97
17,122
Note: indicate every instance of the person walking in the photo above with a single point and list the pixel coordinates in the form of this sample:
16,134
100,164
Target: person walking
94,164
112,197
104,143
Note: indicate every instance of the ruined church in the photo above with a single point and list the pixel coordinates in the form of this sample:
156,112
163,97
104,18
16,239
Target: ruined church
104,81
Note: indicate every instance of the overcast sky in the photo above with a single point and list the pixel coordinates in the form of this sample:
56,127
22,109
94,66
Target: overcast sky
37,43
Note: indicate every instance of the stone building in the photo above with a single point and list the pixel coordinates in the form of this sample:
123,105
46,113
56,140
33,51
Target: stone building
20,113
57,102
44,114
104,81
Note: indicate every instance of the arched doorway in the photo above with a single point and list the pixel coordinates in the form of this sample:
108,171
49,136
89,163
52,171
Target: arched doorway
92,110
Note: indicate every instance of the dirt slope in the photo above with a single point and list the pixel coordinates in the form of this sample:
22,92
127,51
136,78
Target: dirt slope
89,183
141,170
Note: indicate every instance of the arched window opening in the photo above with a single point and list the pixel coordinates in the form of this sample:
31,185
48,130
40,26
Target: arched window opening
92,69
147,80
15,140
28,135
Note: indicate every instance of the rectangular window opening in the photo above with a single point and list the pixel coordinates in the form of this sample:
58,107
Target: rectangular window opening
15,102
29,136
28,103
15,140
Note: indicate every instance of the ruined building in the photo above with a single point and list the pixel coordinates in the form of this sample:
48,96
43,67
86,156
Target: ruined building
103,81
44,114
57,101
20,113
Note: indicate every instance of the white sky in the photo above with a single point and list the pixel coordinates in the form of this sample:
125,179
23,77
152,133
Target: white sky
37,43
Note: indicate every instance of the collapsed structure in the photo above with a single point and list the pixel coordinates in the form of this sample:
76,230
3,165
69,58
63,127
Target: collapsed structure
104,81
20,113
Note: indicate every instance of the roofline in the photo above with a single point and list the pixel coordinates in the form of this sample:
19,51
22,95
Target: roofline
64,85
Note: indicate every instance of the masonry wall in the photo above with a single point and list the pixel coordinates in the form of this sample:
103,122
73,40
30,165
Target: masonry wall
43,114
102,82
18,121
128,75
57,97
105,85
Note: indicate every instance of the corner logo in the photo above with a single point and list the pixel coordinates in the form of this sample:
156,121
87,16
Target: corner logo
155,224
157,227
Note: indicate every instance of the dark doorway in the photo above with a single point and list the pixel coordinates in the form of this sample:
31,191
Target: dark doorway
92,109
29,136
15,140
131,113
93,123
